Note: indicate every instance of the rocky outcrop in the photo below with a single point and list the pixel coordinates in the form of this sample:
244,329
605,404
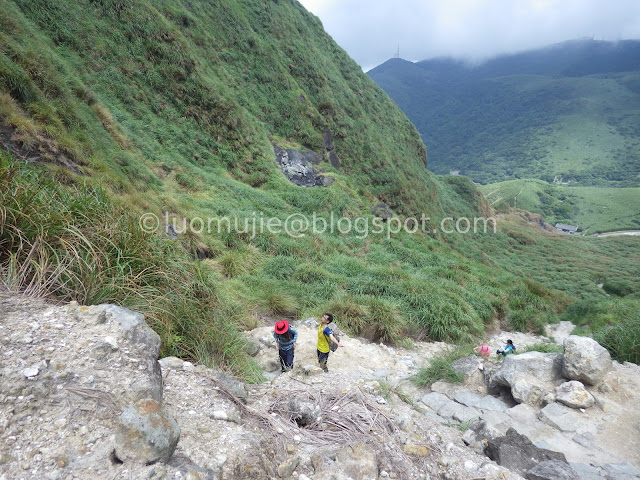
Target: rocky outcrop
518,453
298,167
585,360
562,416
531,376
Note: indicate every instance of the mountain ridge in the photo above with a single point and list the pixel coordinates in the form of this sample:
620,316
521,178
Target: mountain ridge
568,111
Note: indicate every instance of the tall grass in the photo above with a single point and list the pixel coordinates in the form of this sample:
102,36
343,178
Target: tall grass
613,322
71,243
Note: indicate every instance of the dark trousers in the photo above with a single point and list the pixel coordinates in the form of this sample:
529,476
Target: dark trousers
286,359
322,359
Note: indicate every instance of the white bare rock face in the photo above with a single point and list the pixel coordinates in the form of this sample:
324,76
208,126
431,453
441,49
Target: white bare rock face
585,360
530,376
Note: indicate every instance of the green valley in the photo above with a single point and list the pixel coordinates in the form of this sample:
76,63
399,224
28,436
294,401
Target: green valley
593,209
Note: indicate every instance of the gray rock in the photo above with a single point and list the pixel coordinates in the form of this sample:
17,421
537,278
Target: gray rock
31,371
574,395
252,347
563,418
552,470
136,337
436,417
468,365
171,362
517,453
482,431
469,399
530,376
465,414
359,461
620,471
146,433
447,408
235,387
309,322
586,472
435,400
490,403
495,422
587,440
585,360
298,167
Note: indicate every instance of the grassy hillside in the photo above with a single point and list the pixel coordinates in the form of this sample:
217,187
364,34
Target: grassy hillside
593,209
568,112
172,107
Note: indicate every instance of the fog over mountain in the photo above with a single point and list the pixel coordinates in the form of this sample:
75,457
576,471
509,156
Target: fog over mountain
373,31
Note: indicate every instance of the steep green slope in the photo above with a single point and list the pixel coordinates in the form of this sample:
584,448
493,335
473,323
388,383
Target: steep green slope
195,85
569,112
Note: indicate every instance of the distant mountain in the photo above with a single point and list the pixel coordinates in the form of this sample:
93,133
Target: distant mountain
569,112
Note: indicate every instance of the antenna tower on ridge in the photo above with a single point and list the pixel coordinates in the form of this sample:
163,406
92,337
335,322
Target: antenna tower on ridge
397,54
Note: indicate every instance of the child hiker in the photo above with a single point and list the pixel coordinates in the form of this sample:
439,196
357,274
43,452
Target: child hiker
324,334
484,351
286,342
507,349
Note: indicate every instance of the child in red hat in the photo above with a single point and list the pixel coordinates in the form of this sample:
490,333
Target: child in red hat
286,342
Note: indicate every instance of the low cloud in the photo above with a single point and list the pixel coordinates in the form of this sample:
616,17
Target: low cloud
371,31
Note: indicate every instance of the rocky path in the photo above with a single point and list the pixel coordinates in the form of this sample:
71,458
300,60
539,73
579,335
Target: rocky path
67,373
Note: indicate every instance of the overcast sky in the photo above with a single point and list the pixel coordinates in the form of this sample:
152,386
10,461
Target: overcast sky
372,30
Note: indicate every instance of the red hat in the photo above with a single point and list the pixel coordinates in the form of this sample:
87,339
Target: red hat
282,327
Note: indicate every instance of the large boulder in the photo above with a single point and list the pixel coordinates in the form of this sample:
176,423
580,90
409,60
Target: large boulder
517,453
531,376
585,360
123,335
146,433
298,167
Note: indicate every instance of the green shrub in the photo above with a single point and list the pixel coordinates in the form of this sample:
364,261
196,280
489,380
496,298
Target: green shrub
440,368
543,347
281,267
385,324
621,288
349,314
622,340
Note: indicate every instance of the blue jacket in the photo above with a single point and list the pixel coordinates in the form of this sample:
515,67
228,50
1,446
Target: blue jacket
286,345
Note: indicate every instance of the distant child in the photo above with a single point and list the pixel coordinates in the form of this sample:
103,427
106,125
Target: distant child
483,350
509,348
286,342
